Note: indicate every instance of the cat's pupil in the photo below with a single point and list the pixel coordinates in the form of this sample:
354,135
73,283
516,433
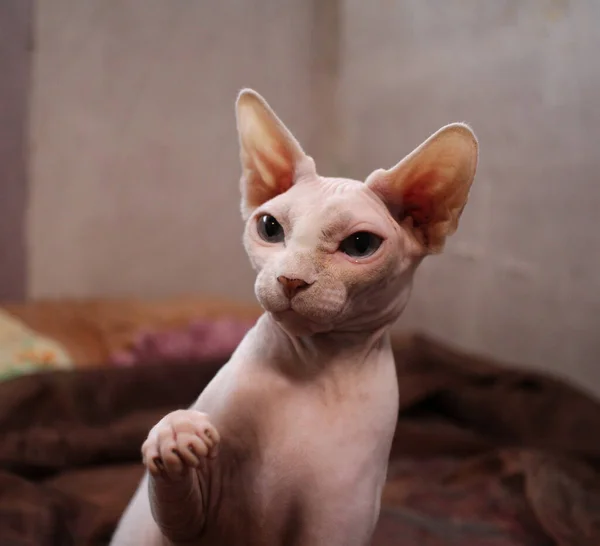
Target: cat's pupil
360,244
362,241
271,226
270,229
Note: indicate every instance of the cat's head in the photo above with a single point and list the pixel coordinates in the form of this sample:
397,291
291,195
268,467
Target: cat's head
335,254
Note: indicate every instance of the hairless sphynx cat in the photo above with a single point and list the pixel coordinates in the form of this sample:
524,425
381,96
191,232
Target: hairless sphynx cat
289,443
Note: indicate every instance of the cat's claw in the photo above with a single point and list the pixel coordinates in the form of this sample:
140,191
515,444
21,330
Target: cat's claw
178,442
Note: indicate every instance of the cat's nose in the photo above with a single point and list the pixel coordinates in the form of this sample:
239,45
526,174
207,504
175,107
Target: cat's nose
291,286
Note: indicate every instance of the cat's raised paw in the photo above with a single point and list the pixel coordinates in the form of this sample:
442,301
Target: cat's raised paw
179,441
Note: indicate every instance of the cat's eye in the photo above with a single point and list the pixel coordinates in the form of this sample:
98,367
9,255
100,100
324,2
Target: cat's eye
270,229
360,244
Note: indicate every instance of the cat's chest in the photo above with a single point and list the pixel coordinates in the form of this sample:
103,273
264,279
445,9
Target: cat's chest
321,454
316,451
327,444
325,461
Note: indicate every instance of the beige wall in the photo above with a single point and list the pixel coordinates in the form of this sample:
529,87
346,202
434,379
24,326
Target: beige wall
135,162
521,278
134,187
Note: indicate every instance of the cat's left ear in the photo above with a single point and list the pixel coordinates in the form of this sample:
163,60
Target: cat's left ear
269,153
428,190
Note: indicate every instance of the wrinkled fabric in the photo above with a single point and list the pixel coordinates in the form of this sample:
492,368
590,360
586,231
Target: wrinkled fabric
200,339
484,454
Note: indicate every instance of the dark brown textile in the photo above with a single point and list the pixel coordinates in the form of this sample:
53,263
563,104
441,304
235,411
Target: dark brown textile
484,454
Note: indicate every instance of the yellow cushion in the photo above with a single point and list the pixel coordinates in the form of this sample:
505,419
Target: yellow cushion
22,350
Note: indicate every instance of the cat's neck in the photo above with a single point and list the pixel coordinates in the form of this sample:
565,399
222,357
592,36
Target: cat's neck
313,354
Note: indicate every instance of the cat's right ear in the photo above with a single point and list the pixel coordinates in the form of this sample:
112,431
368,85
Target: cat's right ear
429,188
269,153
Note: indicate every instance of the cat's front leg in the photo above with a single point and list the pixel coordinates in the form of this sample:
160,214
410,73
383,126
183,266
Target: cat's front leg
176,455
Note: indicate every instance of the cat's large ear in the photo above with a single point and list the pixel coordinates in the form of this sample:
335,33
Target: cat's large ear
269,153
428,190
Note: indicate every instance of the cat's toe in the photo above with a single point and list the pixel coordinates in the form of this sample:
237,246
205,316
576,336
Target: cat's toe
191,449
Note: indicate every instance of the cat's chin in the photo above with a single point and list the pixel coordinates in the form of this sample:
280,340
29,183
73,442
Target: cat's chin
298,325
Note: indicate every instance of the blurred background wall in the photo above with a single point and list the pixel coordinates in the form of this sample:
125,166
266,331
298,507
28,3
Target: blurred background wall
134,171
521,278
16,33
134,142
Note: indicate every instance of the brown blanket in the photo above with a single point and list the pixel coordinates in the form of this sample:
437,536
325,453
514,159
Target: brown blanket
484,454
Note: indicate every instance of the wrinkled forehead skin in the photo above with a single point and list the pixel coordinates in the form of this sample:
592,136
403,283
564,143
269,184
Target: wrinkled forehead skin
320,208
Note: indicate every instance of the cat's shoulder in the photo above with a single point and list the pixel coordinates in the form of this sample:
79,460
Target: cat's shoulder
243,384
